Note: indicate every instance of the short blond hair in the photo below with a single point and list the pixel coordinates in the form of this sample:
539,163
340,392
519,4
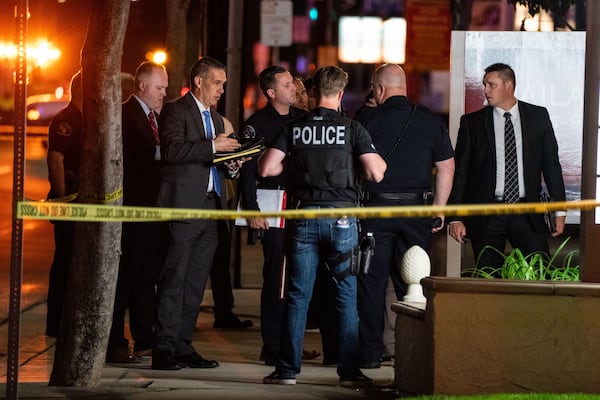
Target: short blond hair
330,80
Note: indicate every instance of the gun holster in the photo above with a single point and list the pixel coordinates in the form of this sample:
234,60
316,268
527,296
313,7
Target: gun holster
254,235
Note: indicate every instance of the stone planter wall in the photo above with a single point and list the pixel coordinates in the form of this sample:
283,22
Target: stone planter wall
478,336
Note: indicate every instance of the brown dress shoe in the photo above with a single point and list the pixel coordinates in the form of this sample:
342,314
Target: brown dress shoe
120,355
143,353
310,354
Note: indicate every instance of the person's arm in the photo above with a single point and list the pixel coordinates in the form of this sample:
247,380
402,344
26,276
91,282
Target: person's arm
552,171
271,162
56,173
462,159
374,166
443,185
458,231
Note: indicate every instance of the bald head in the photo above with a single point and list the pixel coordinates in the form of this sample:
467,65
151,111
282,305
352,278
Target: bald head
388,80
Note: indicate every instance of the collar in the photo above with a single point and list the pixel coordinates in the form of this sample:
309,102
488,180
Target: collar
514,111
199,104
144,105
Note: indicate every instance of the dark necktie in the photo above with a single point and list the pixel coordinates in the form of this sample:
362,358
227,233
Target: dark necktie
511,169
152,119
210,136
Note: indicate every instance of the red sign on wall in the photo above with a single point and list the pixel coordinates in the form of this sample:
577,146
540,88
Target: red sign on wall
429,25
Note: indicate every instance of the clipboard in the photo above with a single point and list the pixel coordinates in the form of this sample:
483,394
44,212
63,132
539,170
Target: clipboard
249,149
268,200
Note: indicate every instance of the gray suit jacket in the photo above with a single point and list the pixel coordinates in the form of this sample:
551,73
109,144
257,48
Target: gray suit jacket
186,155
475,157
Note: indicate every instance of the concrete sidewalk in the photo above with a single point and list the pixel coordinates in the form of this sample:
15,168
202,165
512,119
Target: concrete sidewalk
238,377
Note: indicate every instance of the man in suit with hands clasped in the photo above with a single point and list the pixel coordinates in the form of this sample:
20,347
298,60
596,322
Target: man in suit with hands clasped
502,153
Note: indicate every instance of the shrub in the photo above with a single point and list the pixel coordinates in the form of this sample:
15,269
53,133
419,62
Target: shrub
535,266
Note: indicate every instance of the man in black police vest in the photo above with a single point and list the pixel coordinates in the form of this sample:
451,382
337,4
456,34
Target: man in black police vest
277,85
325,151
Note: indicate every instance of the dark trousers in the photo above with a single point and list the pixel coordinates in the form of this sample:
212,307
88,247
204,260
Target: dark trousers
517,229
180,289
322,308
144,246
392,238
220,276
271,305
59,273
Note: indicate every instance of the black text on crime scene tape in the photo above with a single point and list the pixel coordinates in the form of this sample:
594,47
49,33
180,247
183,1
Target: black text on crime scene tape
52,210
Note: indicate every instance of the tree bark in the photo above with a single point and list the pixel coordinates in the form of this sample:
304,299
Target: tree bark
87,313
177,11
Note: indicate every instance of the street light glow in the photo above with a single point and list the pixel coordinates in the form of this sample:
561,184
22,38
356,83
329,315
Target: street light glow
157,56
42,53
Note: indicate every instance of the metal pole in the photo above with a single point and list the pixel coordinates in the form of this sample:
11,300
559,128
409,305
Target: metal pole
16,259
234,62
589,230
232,103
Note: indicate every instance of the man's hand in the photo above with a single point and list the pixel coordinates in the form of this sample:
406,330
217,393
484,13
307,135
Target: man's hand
258,223
458,231
233,166
438,224
560,226
225,144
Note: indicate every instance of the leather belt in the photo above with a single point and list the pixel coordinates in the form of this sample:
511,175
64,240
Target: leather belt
398,196
331,204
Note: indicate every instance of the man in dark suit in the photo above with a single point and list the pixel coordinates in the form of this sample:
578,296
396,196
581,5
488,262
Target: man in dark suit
143,244
483,163
190,134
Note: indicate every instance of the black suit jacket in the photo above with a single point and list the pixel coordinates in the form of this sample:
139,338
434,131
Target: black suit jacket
140,169
186,155
475,157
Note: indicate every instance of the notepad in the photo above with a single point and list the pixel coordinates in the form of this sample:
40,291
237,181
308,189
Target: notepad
268,200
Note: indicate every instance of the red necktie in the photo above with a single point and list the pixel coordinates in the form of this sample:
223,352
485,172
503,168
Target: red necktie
152,119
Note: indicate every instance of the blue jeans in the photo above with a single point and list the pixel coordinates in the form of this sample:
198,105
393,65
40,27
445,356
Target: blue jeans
312,241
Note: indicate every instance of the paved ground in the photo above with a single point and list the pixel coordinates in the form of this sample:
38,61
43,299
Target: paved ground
239,376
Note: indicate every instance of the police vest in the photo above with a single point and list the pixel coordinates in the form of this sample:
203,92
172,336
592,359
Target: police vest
321,153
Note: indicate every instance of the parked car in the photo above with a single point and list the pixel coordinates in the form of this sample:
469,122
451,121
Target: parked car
41,108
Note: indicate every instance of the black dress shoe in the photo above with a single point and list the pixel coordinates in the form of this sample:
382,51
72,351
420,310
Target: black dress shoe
121,355
164,360
371,365
358,380
353,377
269,359
232,322
195,360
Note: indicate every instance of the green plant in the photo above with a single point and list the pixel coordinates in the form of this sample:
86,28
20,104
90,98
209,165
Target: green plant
535,266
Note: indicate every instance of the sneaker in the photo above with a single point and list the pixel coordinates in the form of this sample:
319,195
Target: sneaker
277,378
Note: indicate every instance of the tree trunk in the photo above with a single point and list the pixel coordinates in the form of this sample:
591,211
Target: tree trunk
177,11
87,314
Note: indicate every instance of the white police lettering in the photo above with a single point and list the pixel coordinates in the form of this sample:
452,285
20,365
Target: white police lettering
317,135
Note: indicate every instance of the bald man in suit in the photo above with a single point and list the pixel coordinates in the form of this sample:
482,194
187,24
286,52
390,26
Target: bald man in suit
142,244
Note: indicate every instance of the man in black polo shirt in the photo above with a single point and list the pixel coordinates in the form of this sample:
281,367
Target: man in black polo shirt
412,140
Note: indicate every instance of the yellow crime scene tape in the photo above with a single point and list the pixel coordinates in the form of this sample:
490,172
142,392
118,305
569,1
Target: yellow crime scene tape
107,213
107,198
